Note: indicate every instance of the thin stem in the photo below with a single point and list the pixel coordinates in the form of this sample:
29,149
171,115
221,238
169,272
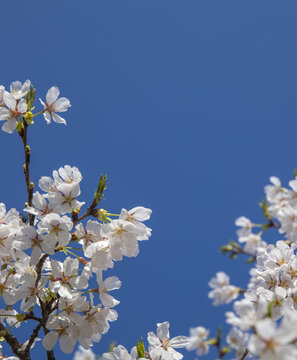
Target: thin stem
87,292
26,167
72,253
13,325
40,112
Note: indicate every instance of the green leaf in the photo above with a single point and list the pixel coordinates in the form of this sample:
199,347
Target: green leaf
100,189
30,98
140,349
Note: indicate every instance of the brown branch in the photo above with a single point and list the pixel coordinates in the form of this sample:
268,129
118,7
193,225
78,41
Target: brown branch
32,338
46,310
26,167
12,342
39,267
244,354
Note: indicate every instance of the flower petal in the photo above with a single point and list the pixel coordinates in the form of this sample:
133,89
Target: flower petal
52,95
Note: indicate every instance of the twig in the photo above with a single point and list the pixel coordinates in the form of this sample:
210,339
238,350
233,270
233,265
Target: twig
244,354
32,338
26,166
39,267
12,342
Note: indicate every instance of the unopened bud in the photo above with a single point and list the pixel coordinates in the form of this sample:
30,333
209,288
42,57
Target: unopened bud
27,149
29,118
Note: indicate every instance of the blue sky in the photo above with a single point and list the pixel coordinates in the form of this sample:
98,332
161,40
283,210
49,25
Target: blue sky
188,107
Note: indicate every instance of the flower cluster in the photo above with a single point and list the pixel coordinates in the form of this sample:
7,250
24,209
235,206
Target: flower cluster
76,314
264,321
14,106
53,260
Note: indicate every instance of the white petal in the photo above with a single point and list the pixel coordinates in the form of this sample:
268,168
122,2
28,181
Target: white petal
22,106
58,119
49,340
47,116
163,330
140,213
52,95
9,126
67,343
15,86
4,113
179,341
9,100
153,340
62,104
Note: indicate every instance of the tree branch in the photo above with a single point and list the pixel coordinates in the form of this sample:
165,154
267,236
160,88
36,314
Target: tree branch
12,342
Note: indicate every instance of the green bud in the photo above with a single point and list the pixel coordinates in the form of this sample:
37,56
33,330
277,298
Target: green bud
226,350
226,248
264,206
234,244
212,341
250,260
19,126
112,346
140,349
29,118
27,150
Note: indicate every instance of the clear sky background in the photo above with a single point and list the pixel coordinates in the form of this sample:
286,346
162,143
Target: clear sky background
188,106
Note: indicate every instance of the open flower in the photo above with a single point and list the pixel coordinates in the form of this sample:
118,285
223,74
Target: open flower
54,105
15,109
162,347
19,90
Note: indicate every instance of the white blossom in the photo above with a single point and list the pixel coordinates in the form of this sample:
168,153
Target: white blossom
54,105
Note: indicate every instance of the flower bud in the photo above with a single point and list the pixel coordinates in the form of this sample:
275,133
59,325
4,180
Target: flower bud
29,118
